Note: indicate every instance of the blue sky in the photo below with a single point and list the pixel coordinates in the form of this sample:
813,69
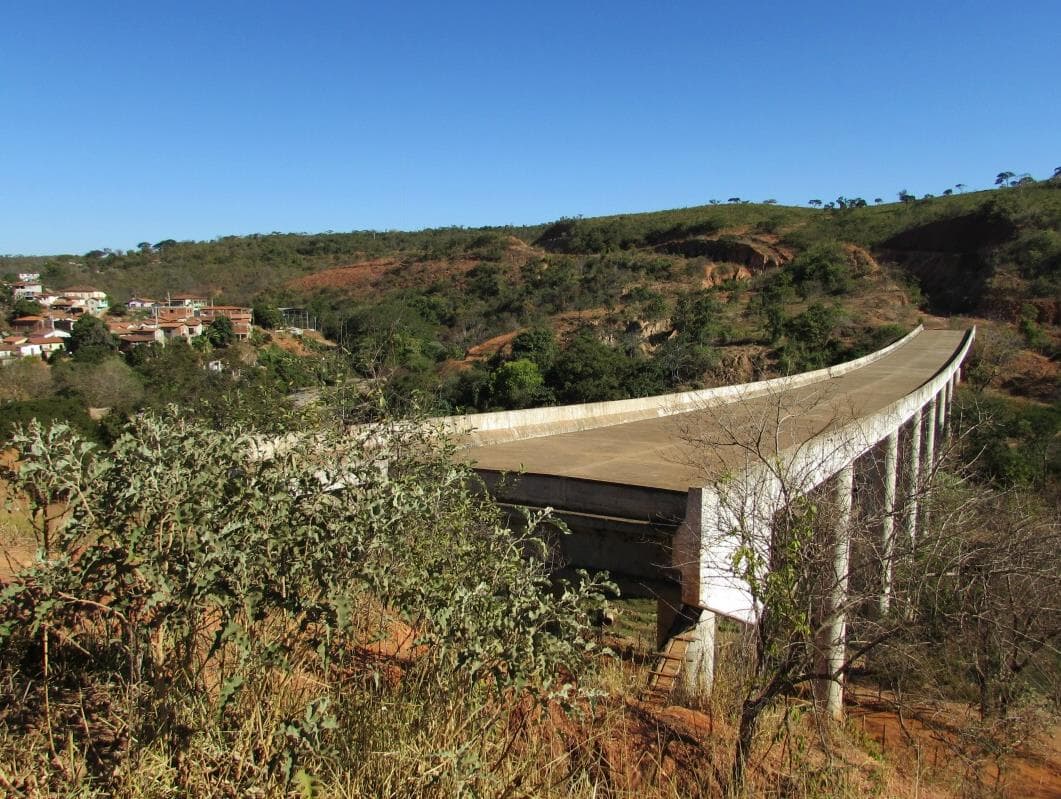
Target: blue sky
138,121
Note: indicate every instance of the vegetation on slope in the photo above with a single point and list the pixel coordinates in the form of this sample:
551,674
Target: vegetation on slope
152,649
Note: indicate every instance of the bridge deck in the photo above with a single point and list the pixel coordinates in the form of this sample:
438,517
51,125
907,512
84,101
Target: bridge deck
686,449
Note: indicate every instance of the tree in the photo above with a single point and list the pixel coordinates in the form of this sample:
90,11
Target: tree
268,316
770,202
960,187
25,307
220,332
778,537
699,319
1004,178
90,341
948,192
878,200
973,599
588,370
25,379
538,345
107,383
824,267
906,197
517,384
815,203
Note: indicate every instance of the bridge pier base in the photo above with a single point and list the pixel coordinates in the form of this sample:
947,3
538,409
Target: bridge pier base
700,655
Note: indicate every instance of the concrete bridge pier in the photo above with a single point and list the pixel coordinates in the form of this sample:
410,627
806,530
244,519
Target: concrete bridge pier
891,475
913,478
832,641
699,668
930,437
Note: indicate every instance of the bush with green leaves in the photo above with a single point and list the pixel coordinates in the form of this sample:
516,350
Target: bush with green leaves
188,570
824,267
90,341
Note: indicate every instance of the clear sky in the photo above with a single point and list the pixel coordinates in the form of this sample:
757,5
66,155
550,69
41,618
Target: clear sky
138,121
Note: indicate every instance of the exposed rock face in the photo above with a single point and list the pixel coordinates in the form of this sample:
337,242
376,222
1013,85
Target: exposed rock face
731,258
754,256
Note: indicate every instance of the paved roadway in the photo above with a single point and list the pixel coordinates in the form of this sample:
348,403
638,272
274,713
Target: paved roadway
674,453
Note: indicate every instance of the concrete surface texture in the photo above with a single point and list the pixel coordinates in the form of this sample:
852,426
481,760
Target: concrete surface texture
692,447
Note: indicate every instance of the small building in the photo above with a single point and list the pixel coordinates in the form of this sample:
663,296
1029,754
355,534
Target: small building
128,341
27,289
192,301
172,330
118,327
167,313
208,313
48,344
89,298
69,305
28,349
141,304
29,324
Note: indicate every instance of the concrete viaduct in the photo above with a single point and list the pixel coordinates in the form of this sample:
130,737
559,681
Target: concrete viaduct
660,491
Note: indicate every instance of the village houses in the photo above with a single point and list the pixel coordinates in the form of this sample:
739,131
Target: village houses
180,316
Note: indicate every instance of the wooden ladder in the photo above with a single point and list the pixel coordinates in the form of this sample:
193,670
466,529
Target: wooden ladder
670,660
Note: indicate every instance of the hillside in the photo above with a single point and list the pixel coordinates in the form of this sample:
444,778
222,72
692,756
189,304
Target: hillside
652,301
391,628
684,297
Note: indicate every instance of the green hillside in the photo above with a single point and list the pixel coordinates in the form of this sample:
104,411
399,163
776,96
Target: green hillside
634,304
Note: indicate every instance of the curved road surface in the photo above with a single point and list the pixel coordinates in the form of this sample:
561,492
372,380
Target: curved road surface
673,453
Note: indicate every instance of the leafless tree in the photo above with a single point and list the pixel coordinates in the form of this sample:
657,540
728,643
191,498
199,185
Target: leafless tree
975,592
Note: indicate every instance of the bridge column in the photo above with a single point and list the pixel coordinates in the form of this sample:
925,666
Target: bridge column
700,655
913,478
943,410
891,469
832,643
930,437
948,404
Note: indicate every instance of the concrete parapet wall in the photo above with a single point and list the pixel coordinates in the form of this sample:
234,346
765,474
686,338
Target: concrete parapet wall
486,428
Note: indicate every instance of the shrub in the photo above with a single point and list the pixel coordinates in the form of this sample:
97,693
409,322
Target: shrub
196,577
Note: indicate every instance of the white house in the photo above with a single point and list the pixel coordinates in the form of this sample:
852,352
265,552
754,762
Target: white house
26,289
93,300
48,344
